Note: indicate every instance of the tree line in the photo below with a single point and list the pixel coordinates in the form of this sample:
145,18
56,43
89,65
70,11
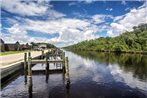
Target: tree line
134,41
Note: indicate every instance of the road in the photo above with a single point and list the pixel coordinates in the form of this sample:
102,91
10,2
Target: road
6,60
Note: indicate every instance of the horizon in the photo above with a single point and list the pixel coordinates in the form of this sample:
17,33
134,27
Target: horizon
64,23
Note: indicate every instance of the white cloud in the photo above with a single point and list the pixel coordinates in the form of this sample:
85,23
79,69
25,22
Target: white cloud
18,33
23,8
88,1
16,29
116,29
127,9
123,2
99,18
126,22
118,18
54,26
70,30
109,9
72,3
52,14
31,8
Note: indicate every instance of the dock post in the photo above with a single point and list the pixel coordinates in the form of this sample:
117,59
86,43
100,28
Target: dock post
67,73
29,75
30,87
29,65
46,61
42,54
25,68
49,51
63,64
47,66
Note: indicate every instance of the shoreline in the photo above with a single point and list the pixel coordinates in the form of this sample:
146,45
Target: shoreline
107,51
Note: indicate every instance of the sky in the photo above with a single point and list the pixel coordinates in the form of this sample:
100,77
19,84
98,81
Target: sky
64,23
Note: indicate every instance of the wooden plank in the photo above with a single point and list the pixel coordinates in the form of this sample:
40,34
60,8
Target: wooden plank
44,61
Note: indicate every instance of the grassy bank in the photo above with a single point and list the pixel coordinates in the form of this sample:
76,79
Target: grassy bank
11,52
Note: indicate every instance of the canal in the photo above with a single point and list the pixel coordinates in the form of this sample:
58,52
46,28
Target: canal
92,75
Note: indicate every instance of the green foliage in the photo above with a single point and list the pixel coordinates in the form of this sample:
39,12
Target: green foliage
135,41
12,52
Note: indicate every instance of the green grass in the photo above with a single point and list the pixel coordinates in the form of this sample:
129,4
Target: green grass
11,52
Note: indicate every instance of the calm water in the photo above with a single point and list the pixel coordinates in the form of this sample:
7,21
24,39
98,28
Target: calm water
92,75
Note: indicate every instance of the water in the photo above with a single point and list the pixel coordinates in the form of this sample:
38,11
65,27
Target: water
92,75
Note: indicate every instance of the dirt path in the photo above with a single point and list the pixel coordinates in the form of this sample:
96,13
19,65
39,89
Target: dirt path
6,60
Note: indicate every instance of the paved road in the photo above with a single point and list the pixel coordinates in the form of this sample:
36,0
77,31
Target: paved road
6,60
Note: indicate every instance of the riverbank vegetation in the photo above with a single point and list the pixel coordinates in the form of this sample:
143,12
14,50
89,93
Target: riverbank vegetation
12,52
135,41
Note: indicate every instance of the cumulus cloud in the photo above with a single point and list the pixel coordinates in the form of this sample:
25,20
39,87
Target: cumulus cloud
118,18
126,22
30,8
53,14
18,33
127,9
23,8
99,18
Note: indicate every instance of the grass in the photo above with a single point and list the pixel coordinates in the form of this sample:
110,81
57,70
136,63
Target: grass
11,52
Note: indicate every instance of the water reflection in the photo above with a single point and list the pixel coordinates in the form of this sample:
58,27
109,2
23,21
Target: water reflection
137,64
25,76
30,85
108,67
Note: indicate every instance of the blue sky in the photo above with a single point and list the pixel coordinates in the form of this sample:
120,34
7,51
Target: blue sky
67,22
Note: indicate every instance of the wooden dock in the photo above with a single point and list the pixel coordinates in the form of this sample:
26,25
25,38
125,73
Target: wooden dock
51,57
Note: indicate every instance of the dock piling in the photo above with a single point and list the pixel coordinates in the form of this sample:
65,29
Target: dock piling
63,64
67,73
25,68
42,54
30,87
47,64
29,65
30,84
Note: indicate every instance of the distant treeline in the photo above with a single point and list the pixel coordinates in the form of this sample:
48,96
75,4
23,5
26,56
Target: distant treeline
133,42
